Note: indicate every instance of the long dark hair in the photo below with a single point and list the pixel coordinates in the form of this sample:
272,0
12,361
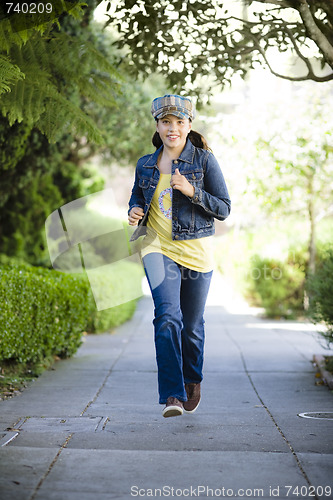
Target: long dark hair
196,138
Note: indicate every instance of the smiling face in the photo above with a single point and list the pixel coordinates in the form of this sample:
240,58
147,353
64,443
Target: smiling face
173,131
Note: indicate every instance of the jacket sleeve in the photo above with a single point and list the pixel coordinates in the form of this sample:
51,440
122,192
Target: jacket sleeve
136,199
214,197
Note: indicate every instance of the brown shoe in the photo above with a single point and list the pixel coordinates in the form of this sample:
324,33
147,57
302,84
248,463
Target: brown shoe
193,397
173,407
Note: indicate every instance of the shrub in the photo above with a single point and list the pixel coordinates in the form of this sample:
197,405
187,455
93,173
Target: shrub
43,313
102,321
277,286
319,287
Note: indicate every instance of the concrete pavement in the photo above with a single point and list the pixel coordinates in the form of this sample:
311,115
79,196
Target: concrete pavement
91,428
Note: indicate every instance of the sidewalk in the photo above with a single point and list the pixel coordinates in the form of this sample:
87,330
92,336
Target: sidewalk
91,428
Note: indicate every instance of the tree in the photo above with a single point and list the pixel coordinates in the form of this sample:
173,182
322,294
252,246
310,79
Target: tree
301,180
38,172
193,41
63,76
36,177
281,153
46,69
196,44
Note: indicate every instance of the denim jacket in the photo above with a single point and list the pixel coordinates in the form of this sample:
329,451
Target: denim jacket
191,217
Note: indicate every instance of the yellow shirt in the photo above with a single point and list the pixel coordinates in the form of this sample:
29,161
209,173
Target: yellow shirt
194,254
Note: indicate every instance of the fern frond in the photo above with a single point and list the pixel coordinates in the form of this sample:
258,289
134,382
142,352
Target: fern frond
61,116
75,53
8,37
9,73
55,72
97,88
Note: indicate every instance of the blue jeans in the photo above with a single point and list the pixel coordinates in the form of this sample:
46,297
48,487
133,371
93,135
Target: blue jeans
179,296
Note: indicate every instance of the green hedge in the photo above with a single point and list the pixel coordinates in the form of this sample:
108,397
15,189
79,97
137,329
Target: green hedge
43,313
319,288
277,286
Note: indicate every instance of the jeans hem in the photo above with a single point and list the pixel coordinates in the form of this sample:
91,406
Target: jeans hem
183,399
187,381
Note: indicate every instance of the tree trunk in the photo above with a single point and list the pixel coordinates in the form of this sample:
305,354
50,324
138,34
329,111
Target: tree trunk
314,32
312,243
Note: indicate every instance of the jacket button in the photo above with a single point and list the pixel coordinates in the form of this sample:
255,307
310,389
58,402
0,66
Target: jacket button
176,162
193,176
176,237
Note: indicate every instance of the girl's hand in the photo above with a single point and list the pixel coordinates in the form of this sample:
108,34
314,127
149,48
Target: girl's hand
179,181
135,215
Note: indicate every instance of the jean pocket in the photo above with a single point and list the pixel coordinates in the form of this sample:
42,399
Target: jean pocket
144,183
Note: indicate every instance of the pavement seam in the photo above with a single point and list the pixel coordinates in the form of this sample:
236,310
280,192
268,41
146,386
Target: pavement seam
110,371
103,383
64,445
304,474
13,431
52,464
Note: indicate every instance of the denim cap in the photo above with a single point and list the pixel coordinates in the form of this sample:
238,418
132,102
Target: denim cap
170,104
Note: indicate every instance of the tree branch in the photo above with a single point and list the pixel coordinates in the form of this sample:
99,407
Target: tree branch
299,53
274,21
284,4
314,32
310,75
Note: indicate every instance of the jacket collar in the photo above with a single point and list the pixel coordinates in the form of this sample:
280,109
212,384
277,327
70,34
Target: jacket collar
188,152
187,155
